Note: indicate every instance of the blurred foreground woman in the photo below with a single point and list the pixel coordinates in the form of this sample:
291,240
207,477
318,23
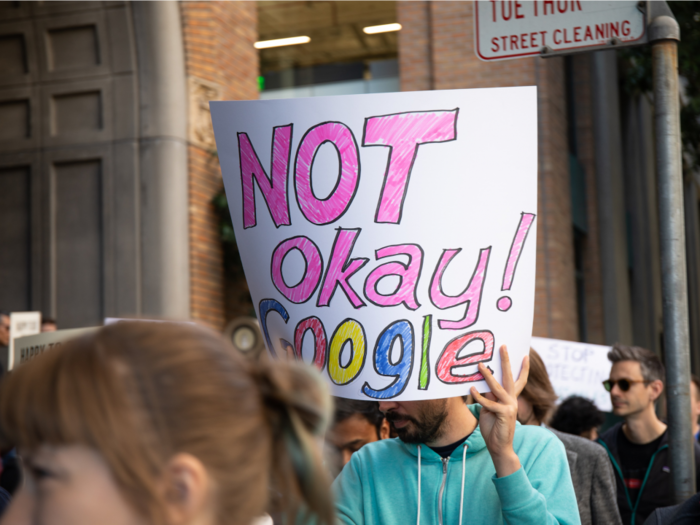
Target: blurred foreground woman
158,423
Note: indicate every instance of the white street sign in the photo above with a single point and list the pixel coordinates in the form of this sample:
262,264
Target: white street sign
507,29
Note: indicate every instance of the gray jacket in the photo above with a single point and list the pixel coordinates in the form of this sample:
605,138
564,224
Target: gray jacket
594,480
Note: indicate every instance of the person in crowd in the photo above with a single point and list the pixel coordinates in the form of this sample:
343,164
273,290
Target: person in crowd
638,447
686,513
355,424
578,416
163,424
695,406
48,324
591,472
4,340
459,463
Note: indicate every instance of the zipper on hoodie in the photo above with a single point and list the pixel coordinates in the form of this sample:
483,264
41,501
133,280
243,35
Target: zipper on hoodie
442,488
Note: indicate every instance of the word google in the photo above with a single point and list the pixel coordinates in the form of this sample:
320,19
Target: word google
326,273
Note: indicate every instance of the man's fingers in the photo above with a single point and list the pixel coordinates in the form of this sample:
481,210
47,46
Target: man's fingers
494,385
492,406
506,371
522,378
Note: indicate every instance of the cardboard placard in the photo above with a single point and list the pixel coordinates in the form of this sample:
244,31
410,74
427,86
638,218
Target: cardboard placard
576,369
29,347
388,238
21,324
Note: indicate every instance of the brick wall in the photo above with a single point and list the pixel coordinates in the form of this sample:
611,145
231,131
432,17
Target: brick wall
221,64
436,51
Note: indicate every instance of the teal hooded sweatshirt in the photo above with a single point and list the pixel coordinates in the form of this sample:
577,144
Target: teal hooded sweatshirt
394,483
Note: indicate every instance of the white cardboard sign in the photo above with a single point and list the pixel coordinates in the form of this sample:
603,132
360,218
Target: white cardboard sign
22,324
514,29
388,238
31,346
576,369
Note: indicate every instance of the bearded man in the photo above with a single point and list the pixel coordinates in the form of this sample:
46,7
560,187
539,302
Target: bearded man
454,464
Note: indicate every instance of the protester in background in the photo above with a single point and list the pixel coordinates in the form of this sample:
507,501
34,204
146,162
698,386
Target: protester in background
4,340
695,406
591,472
454,461
578,416
355,424
48,324
160,423
638,447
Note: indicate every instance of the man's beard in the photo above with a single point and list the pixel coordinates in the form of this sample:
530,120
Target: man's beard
427,427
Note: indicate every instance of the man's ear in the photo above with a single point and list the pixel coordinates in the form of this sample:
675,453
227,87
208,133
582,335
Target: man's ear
188,490
385,429
657,387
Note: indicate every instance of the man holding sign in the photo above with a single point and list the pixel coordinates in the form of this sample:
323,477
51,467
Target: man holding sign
387,239
502,474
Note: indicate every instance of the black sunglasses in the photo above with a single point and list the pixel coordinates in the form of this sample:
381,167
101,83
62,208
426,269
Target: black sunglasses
624,384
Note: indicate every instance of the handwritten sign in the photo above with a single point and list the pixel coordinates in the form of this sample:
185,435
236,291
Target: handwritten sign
31,346
576,369
388,238
21,324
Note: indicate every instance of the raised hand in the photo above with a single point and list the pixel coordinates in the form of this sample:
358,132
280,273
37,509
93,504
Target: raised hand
499,413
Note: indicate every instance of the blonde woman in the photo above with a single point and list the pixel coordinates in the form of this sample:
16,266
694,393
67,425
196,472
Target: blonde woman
150,423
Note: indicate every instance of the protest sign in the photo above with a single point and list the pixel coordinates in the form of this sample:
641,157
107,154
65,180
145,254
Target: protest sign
388,238
21,324
576,369
28,347
113,320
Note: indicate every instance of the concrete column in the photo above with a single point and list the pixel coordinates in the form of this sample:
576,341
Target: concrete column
611,199
165,286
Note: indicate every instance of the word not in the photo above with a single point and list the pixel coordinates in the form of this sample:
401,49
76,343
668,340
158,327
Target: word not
402,133
578,34
351,333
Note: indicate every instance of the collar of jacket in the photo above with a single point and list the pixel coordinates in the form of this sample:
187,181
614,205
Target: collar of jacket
475,443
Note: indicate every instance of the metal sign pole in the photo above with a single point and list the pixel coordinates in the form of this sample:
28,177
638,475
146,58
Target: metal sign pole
664,35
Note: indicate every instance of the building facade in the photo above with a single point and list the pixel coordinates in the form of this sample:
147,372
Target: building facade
108,163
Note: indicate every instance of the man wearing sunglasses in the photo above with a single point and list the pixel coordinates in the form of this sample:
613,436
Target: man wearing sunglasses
638,447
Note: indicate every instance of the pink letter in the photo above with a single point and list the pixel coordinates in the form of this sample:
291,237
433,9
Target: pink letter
301,292
320,344
403,133
324,211
274,190
408,274
448,360
341,268
472,295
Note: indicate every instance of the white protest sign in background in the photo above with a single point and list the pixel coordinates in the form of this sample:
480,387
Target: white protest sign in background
22,324
29,347
388,238
576,369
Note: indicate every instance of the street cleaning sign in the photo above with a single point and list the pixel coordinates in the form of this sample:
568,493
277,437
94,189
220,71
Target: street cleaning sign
510,29
388,238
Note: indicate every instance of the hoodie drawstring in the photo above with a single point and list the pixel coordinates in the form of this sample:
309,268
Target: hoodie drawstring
418,485
461,494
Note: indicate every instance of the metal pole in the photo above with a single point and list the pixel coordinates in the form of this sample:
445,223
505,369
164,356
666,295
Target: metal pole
664,35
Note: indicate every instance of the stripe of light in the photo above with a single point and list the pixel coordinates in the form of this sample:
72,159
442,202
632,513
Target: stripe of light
292,41
385,28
